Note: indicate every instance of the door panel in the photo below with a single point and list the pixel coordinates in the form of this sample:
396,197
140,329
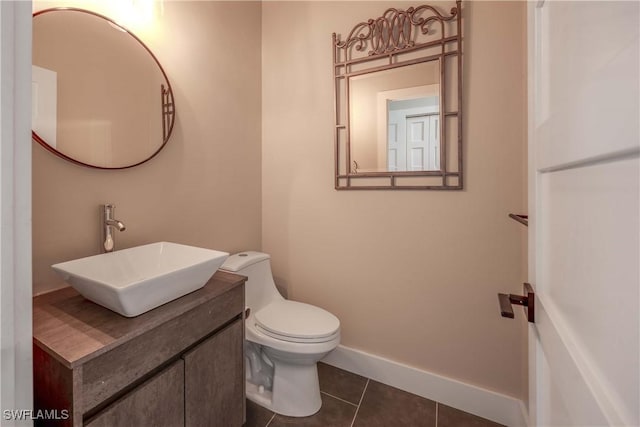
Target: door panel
44,103
397,143
588,279
417,142
434,143
393,141
587,80
417,158
584,198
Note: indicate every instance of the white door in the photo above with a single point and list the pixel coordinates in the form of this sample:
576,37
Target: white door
44,103
396,143
584,236
16,362
434,143
422,141
414,145
417,143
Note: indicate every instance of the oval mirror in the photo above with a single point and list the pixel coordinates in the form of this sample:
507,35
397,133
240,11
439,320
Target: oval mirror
100,97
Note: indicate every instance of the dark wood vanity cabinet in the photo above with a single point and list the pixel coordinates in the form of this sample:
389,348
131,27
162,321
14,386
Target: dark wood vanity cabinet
180,364
220,357
159,401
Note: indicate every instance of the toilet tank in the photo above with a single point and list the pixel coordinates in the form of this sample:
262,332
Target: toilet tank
260,289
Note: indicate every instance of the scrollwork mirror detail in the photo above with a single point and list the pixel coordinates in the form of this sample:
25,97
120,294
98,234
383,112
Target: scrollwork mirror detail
398,102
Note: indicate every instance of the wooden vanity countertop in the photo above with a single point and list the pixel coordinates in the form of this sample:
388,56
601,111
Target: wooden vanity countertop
74,330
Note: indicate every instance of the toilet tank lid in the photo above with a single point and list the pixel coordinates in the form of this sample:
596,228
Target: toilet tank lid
239,261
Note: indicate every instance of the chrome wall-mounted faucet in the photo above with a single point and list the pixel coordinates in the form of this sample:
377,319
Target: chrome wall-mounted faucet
108,221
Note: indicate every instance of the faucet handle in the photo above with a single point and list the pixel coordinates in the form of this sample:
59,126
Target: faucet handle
108,244
107,210
108,221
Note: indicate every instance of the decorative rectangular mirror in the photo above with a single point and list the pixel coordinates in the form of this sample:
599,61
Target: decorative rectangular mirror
398,102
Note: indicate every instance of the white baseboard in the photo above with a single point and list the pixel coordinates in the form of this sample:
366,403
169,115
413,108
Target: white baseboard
466,397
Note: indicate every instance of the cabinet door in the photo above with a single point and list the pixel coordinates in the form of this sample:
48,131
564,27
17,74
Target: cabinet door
158,401
214,380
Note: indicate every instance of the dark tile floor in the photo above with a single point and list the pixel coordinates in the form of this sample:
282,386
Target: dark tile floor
349,400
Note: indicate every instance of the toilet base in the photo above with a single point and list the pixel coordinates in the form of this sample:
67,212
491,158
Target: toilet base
296,391
263,398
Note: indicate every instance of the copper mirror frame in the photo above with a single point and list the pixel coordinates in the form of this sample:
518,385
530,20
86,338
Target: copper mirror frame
166,104
397,40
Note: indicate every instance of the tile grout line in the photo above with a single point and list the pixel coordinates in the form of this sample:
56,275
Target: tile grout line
360,402
272,417
336,397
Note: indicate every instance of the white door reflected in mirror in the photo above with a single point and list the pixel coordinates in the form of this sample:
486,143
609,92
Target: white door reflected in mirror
421,144
44,99
394,118
412,141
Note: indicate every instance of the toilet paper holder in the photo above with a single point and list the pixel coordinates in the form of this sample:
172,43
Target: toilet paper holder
527,301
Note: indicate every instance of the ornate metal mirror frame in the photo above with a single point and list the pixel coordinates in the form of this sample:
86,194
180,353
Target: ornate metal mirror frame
417,37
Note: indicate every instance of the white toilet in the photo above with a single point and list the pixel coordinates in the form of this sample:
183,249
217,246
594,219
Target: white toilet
284,340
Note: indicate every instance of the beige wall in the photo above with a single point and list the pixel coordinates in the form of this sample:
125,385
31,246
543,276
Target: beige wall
204,187
413,275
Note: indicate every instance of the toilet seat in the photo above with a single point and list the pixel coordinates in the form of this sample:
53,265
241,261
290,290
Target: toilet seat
296,322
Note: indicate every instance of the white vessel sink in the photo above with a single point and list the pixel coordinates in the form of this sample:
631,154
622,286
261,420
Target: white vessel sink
135,280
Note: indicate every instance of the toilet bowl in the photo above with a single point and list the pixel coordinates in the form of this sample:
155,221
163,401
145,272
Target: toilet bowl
284,340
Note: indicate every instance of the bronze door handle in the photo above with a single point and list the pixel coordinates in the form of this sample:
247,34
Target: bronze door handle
527,301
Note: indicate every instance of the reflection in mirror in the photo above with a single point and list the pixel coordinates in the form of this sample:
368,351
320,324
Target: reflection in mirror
398,101
394,119
100,97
